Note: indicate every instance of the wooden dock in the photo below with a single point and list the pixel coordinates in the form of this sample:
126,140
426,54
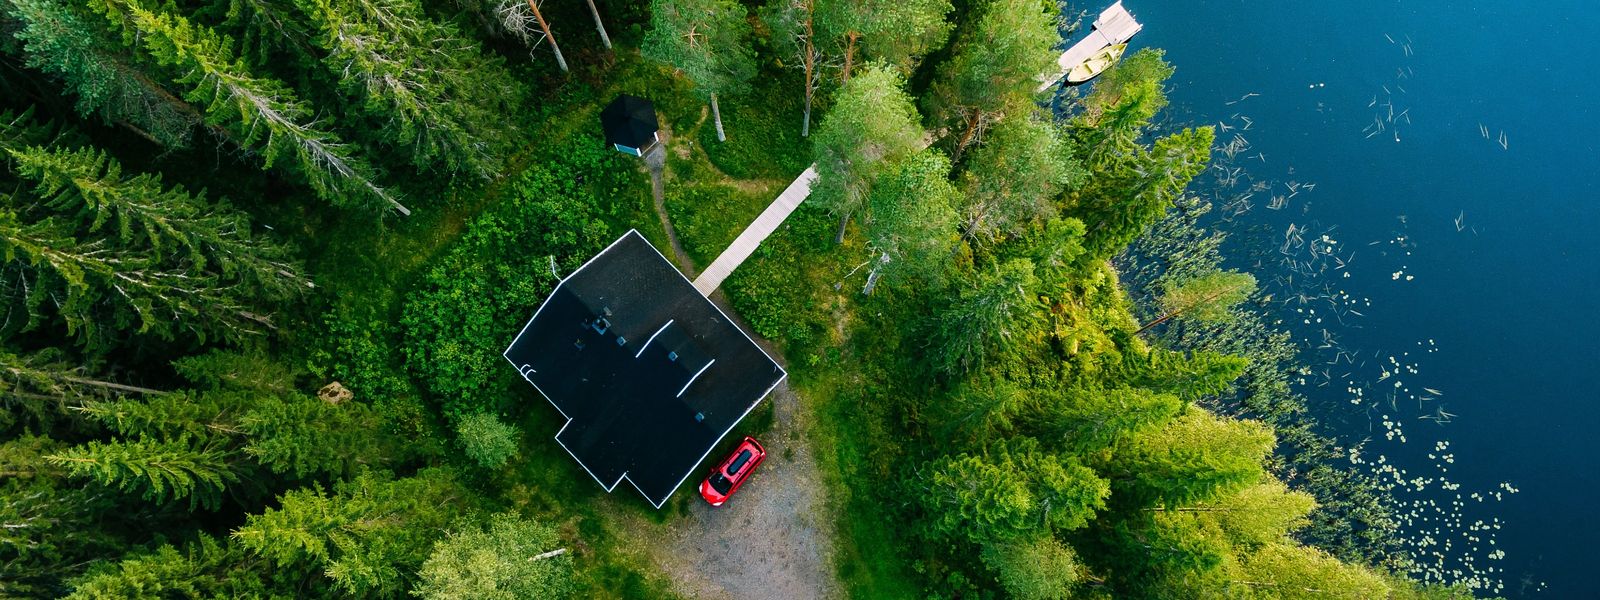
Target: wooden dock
1115,25
757,232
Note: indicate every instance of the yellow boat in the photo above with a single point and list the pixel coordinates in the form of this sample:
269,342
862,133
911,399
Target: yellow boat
1096,64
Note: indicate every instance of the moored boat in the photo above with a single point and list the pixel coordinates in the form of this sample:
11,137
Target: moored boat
1096,64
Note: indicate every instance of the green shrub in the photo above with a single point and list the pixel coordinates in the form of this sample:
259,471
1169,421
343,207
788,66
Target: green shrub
486,439
763,128
473,299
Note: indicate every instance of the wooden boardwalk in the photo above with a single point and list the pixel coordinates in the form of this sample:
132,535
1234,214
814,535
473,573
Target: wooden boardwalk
747,242
1115,25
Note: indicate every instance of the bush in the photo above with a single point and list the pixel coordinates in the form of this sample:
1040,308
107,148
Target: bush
763,128
486,439
474,299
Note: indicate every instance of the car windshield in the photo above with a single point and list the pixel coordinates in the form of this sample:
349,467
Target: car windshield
720,484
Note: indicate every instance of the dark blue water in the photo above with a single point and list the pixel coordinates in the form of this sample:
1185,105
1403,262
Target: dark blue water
1506,298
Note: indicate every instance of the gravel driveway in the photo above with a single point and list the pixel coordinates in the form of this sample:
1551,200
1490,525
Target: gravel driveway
771,540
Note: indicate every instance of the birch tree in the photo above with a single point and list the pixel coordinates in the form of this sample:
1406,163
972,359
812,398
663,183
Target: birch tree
912,225
995,68
872,123
1015,177
707,41
599,25
263,114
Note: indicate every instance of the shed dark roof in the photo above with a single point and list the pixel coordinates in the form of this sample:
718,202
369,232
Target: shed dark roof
649,373
629,121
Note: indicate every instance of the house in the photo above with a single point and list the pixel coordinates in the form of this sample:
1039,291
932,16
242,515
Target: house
649,373
630,124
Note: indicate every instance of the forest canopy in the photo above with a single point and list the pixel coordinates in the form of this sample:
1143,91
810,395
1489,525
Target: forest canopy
260,258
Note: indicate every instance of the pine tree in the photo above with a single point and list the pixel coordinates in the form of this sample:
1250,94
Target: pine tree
706,40
263,114
994,69
160,469
61,40
446,99
894,31
794,27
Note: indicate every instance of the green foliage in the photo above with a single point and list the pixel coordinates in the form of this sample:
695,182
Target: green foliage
479,294
1036,568
893,31
996,314
912,222
52,527
111,253
486,440
1013,179
994,69
705,40
497,564
369,536
203,569
258,113
1208,296
1293,571
1196,457
444,98
61,39
160,470
872,123
1090,420
1018,490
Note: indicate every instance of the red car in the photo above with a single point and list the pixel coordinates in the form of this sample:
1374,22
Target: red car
732,473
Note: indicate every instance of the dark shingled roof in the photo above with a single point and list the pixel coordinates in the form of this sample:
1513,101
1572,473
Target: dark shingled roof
629,121
649,373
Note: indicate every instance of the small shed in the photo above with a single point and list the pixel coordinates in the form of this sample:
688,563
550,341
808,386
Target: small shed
630,124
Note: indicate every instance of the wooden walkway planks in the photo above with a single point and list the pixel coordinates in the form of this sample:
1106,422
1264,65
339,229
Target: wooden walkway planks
747,242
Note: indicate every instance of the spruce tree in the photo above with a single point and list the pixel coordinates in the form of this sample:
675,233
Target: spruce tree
263,114
59,38
369,536
160,469
108,253
445,98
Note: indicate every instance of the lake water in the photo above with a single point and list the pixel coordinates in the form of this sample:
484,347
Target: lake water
1473,264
